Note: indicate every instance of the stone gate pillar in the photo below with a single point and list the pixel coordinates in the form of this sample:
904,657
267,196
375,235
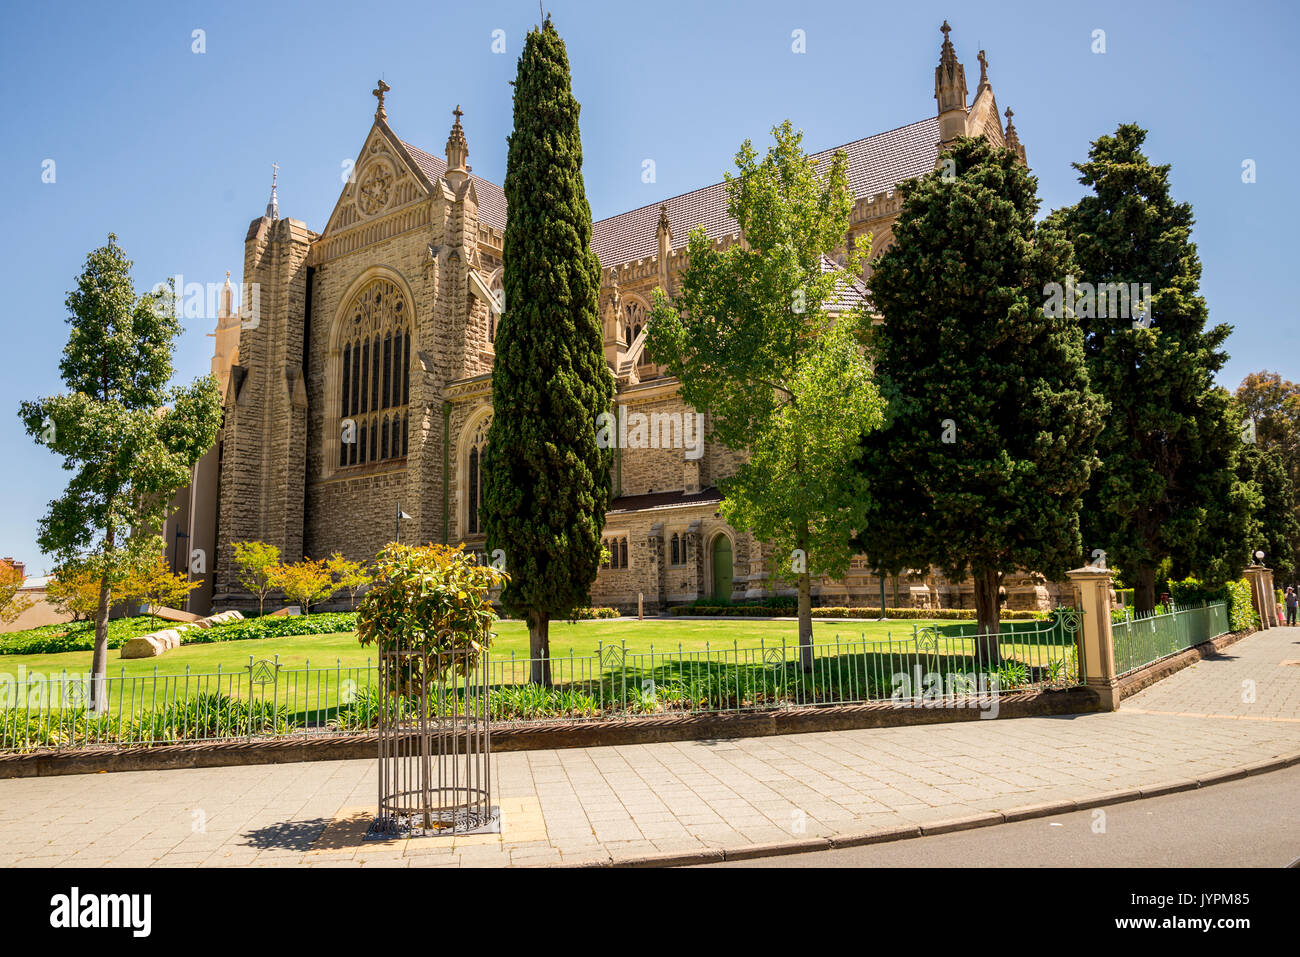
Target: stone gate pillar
1261,594
1097,651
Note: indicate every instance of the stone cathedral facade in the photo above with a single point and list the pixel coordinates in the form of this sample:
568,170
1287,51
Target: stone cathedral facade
360,383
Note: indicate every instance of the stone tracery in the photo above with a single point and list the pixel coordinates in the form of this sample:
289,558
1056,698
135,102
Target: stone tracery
375,375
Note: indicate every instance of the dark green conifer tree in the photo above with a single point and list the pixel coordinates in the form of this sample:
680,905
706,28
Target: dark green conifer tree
1167,485
546,481
988,440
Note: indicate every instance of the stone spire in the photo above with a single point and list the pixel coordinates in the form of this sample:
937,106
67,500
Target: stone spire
457,153
273,205
950,91
1012,138
664,242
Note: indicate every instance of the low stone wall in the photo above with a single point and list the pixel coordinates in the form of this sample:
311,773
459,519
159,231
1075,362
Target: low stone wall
546,735
160,642
1145,677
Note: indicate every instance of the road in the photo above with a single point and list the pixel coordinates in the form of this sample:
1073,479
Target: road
1254,822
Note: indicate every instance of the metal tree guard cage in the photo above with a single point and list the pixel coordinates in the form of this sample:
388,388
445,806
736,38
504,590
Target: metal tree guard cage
434,743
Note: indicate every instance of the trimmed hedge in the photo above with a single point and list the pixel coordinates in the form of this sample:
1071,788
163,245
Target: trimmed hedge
287,626
762,611
1241,609
578,614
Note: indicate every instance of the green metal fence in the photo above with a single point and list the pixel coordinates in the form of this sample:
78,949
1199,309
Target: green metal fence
1139,641
923,666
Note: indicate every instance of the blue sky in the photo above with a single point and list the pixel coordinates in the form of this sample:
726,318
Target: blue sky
172,149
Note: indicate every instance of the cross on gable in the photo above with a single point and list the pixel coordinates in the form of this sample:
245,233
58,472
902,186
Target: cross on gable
378,93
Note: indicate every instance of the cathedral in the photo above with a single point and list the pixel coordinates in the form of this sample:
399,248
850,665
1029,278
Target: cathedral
357,382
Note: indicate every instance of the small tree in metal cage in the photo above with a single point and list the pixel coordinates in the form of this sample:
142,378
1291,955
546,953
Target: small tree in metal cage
429,613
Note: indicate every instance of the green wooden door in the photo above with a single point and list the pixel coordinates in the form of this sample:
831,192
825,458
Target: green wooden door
722,567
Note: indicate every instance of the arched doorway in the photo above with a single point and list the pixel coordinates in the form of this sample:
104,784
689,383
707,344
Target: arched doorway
722,567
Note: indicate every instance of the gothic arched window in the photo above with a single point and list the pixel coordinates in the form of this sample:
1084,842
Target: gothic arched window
633,320
677,549
376,363
474,478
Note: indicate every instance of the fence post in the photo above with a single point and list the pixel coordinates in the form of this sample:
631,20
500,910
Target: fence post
1092,585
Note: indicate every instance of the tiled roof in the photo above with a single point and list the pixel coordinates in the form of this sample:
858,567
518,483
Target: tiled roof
876,163
656,500
491,197
849,293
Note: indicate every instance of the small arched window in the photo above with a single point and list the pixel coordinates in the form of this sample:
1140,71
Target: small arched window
633,320
677,553
474,478
375,370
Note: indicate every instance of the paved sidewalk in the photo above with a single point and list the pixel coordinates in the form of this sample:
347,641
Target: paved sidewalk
620,803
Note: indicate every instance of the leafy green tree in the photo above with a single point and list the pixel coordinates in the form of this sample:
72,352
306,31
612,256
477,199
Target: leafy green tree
257,563
1166,485
129,440
988,440
546,482
1271,406
765,340
1275,530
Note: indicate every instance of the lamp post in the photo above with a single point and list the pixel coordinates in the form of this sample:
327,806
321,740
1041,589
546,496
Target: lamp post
397,522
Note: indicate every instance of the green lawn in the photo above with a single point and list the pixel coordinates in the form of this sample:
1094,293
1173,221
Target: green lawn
671,664
581,638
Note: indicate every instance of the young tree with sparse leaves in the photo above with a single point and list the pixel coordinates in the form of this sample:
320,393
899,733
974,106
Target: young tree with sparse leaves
257,563
349,576
155,585
307,582
988,439
765,337
1166,485
546,482
129,440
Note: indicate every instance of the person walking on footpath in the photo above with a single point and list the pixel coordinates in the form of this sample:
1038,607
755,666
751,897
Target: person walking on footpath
1290,604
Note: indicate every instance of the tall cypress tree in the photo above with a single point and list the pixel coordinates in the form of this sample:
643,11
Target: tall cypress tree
546,483
988,439
1167,485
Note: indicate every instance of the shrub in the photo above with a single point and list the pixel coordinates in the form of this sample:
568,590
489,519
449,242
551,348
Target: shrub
76,636
274,626
591,614
429,607
1241,609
